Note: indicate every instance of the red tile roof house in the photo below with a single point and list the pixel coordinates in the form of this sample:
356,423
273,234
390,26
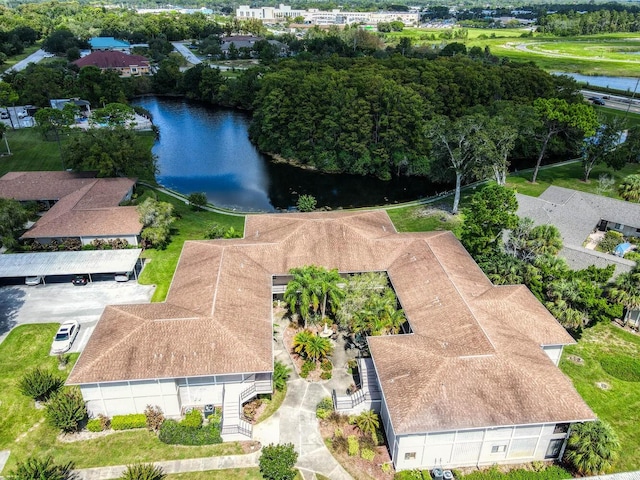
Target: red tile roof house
81,206
125,65
475,382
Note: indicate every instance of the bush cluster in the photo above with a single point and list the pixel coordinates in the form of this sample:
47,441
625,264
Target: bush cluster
353,446
367,454
113,244
40,384
552,472
277,462
192,419
127,422
99,424
610,241
154,417
69,244
174,433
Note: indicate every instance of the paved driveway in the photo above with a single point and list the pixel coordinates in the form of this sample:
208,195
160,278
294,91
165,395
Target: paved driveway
57,302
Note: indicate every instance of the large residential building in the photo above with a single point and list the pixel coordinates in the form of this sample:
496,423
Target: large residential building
125,65
76,205
473,381
320,17
109,44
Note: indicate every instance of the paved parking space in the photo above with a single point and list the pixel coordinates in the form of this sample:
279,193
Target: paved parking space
57,302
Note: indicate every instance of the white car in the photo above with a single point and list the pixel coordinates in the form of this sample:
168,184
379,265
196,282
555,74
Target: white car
33,280
63,340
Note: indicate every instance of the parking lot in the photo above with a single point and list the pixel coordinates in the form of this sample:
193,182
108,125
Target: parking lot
57,302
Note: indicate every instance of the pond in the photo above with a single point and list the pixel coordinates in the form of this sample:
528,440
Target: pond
617,83
205,149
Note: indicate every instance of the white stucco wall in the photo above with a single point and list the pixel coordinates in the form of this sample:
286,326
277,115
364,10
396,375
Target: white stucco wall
120,398
554,352
513,444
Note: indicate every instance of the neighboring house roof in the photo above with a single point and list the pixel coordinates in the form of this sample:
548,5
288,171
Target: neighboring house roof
474,358
85,206
577,214
107,43
111,59
59,103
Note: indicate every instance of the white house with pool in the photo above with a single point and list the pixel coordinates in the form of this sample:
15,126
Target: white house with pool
474,381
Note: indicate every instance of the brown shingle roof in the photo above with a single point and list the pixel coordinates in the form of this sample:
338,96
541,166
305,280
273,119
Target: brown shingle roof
86,206
112,59
474,359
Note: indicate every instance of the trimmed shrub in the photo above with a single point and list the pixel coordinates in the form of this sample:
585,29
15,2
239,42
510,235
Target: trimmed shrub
192,419
94,425
367,454
66,410
326,365
197,200
154,418
277,462
324,408
325,375
307,367
40,384
354,446
37,469
143,471
173,433
128,422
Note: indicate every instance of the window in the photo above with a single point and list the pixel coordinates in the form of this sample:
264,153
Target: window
617,226
410,456
561,428
498,449
553,450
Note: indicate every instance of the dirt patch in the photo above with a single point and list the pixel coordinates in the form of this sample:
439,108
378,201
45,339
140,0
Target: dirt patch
441,211
576,359
86,435
358,467
603,385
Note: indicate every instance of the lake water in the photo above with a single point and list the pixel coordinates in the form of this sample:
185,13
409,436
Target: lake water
203,149
618,83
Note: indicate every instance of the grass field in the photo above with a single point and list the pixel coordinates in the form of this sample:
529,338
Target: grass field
607,54
619,401
229,474
24,432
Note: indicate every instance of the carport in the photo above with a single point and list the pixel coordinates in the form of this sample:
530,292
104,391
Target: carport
69,263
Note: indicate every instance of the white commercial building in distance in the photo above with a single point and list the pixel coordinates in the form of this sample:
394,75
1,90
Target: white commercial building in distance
319,17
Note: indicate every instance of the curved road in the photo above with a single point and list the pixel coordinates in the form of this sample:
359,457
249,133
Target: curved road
35,57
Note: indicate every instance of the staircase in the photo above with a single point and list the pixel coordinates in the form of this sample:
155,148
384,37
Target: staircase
234,426
368,397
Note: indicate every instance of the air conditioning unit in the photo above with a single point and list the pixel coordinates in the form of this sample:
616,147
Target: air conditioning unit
437,474
447,475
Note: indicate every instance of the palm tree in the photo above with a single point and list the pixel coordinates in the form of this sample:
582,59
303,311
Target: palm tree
329,289
317,348
368,422
280,375
592,447
301,293
300,342
545,240
626,290
629,189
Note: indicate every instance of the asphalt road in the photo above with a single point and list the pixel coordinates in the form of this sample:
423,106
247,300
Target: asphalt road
35,57
57,302
186,53
616,102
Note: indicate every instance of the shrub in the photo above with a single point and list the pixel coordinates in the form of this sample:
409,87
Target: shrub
105,422
386,467
367,442
37,469
325,375
192,419
280,375
409,475
367,454
337,418
352,365
551,472
215,230
354,446
610,241
326,365
127,422
94,425
340,444
197,199
154,418
66,410
174,433
306,203
277,461
40,384
307,367
143,471
324,408
251,408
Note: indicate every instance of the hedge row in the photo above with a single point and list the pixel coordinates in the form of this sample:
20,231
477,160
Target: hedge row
127,422
174,433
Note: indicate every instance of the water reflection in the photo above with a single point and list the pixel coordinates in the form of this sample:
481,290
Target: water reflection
202,149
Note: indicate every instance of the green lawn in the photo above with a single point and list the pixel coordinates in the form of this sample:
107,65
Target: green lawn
569,176
11,61
190,225
229,474
620,403
24,432
423,219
